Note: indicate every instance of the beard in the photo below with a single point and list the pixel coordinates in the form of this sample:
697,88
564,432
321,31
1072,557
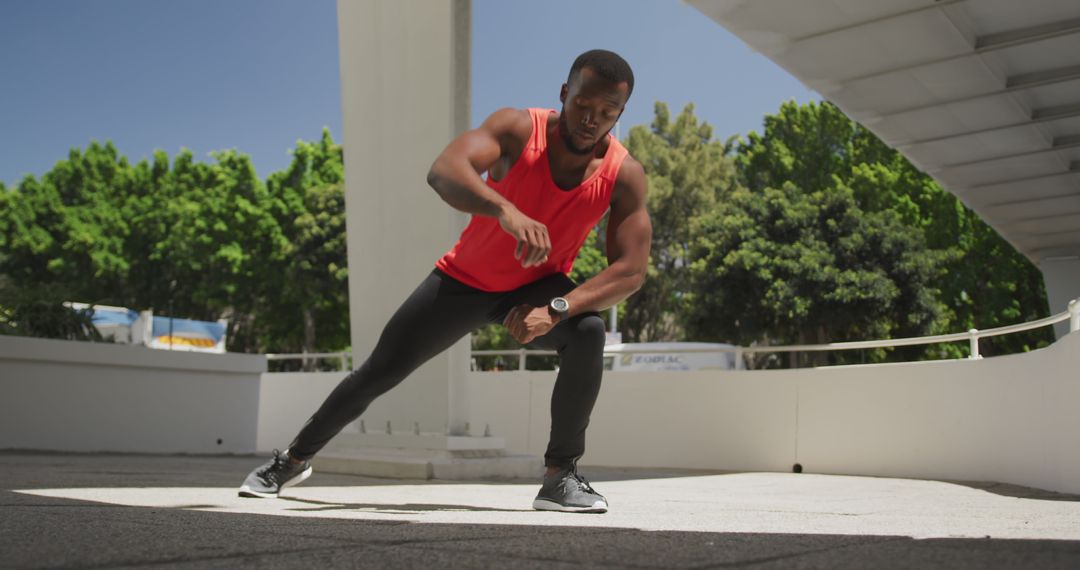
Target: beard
568,139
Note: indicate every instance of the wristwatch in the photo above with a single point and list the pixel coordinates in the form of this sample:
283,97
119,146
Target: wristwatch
559,307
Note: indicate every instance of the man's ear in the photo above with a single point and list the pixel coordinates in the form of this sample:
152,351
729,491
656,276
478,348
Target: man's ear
563,92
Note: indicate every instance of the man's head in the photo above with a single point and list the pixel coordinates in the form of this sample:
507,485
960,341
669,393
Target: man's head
593,98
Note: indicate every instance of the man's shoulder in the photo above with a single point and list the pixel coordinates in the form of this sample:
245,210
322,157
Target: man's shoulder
510,121
631,184
631,171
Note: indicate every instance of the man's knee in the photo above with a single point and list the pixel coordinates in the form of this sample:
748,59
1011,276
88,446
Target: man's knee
590,332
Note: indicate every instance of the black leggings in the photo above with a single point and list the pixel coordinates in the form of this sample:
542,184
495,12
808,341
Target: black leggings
438,313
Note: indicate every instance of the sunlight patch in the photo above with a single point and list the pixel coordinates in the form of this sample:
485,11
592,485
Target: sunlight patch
735,503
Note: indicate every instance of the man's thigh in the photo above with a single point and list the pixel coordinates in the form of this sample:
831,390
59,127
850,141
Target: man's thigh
438,313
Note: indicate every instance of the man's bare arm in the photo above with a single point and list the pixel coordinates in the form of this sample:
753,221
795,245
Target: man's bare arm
629,239
456,173
456,178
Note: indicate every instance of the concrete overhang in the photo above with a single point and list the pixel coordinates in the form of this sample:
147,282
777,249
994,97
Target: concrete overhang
983,95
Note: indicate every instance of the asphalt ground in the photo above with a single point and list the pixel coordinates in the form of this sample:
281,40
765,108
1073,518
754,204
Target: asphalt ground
138,511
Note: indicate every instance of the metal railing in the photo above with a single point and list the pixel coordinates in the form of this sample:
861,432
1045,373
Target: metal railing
343,358
972,336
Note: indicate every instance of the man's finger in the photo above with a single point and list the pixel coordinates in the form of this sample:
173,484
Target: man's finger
509,320
520,330
545,247
526,260
542,247
516,328
542,239
512,317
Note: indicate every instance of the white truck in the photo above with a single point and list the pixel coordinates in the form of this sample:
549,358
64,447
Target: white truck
675,356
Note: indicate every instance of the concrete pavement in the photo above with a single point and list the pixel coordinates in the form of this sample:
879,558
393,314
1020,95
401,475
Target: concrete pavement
113,511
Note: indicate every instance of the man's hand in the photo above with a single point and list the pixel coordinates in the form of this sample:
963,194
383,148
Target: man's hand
533,242
526,322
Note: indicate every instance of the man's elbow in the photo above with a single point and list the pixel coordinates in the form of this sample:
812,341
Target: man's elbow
437,180
434,179
635,278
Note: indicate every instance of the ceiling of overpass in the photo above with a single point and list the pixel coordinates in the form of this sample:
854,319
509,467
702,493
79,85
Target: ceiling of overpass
983,95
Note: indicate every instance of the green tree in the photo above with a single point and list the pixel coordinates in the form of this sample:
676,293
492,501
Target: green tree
688,174
212,234
785,266
8,201
152,208
984,281
987,283
190,239
64,228
184,240
305,303
40,312
60,240
592,258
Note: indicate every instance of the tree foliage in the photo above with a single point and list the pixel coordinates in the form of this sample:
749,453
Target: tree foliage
42,313
309,290
688,173
190,239
812,230
982,281
789,267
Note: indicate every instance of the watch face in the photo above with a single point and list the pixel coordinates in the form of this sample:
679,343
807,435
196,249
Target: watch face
560,305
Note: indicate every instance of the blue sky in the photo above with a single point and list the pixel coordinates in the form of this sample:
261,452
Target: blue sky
257,75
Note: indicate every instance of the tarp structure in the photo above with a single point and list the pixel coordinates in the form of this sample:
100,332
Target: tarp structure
127,326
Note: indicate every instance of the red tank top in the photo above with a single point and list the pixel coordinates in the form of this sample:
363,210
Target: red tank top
483,257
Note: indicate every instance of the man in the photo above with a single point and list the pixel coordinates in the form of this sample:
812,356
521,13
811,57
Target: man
551,176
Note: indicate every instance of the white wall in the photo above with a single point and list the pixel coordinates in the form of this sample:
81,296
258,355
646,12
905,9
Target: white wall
287,400
701,419
81,396
1010,419
997,419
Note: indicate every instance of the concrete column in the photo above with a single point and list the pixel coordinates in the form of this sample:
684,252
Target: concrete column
1062,278
405,94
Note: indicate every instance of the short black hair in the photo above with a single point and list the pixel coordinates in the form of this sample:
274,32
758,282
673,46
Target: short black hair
606,64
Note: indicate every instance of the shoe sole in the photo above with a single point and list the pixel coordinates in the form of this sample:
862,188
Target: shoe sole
246,491
546,505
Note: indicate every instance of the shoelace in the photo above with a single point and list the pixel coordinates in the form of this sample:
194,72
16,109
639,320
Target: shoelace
583,483
273,472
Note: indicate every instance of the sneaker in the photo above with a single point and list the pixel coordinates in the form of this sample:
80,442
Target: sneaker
569,492
278,473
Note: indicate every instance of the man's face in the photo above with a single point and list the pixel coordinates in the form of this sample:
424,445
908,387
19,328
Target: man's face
591,106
